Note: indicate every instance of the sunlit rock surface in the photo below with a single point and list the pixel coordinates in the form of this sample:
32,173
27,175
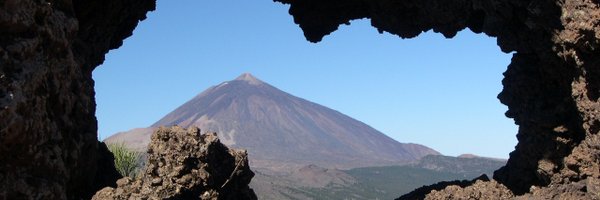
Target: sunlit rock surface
183,164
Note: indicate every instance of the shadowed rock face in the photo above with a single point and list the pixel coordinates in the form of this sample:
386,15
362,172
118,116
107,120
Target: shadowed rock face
551,88
183,164
48,49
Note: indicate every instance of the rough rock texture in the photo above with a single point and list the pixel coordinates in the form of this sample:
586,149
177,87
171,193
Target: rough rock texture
480,189
48,49
421,192
584,189
184,164
552,86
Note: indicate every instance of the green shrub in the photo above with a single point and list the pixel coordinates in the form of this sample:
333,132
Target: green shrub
127,161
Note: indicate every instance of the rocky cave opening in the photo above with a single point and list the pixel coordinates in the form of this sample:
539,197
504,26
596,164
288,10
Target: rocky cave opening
48,50
120,76
441,101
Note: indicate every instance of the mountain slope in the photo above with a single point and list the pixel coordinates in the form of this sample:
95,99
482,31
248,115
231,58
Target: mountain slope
470,165
385,182
280,130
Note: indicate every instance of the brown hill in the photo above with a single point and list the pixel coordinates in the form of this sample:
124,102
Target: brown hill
280,130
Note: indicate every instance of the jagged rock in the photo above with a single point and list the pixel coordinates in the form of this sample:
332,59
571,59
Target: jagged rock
48,132
48,50
585,189
423,191
478,190
184,164
551,88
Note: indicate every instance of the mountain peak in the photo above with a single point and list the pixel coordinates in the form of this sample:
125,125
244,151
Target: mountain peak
282,131
249,78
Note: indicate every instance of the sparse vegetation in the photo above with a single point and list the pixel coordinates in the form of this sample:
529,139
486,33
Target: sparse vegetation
127,161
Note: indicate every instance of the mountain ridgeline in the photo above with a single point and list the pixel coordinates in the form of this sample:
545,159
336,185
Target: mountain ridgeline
281,131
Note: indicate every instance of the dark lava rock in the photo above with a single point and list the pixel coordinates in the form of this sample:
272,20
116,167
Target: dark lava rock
551,88
48,132
478,190
184,164
421,192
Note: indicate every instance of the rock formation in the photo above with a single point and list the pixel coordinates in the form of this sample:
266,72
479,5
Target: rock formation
551,88
455,186
48,49
183,164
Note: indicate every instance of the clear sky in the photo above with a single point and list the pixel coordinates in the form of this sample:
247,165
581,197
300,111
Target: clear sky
428,90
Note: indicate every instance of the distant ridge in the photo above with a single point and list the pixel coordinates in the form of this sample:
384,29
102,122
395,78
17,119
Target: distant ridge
280,130
468,155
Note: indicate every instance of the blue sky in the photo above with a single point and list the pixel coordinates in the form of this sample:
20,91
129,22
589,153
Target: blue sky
428,90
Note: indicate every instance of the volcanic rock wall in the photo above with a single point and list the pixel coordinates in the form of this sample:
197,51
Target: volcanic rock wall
552,86
48,49
183,164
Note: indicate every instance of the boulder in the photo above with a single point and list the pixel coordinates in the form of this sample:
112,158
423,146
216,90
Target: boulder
185,164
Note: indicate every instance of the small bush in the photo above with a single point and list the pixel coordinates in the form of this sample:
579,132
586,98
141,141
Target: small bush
127,161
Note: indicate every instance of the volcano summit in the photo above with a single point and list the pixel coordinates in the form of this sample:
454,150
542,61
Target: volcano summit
279,130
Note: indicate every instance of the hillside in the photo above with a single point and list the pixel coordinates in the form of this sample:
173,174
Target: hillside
470,166
280,131
386,182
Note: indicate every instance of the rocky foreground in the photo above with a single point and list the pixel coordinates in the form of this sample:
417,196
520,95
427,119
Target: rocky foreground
184,164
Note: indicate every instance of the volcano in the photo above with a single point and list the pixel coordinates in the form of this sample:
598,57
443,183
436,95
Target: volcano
279,130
